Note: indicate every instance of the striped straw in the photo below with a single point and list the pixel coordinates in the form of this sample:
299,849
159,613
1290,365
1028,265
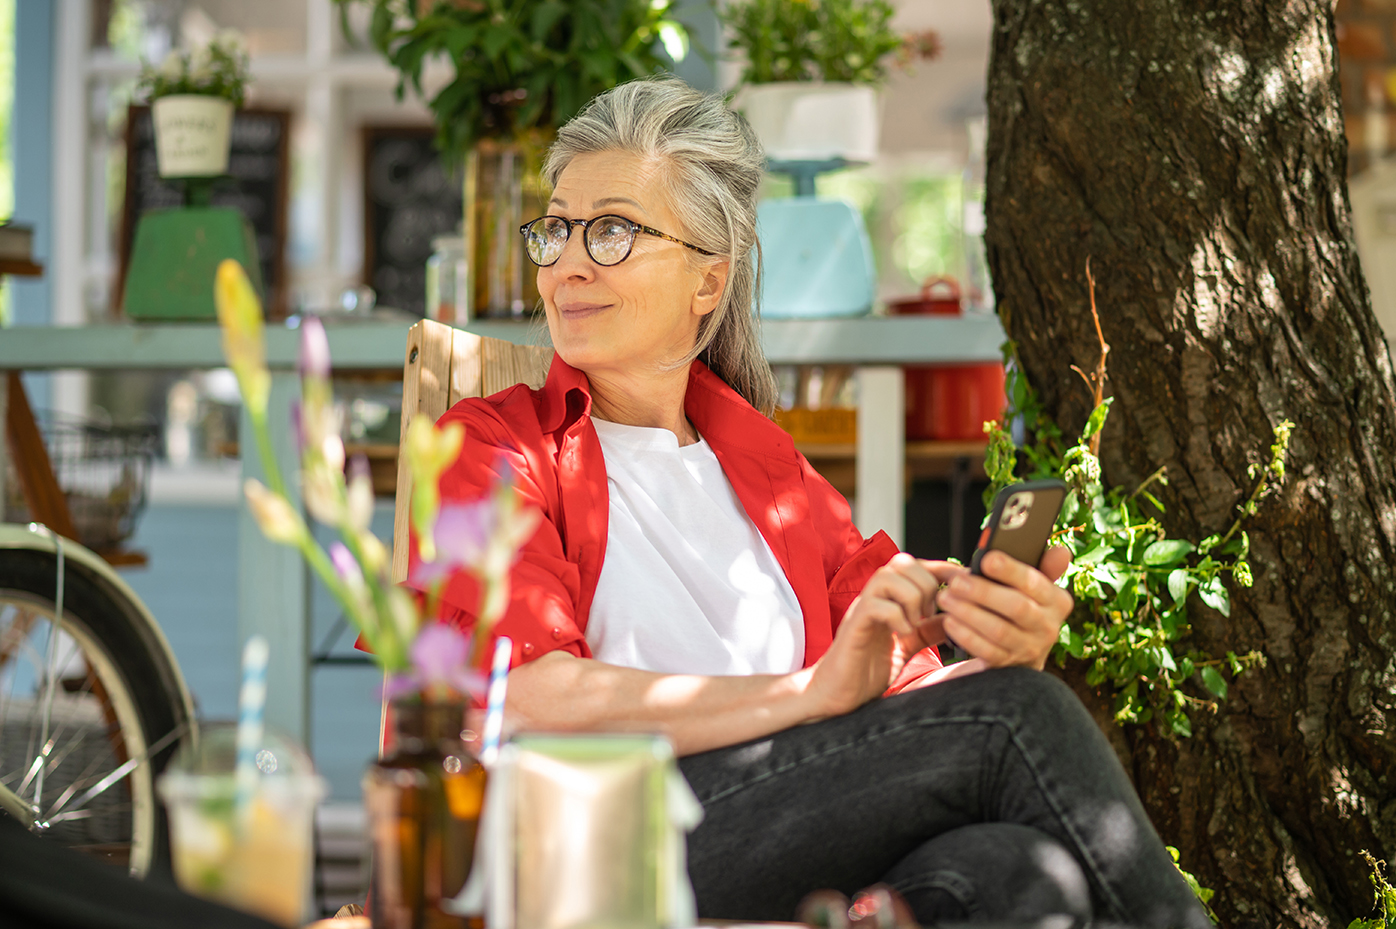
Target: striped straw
252,699
494,701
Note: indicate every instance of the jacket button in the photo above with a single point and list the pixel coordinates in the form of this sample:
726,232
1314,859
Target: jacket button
557,632
528,648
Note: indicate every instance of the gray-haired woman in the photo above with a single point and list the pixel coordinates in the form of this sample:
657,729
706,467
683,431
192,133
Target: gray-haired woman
694,575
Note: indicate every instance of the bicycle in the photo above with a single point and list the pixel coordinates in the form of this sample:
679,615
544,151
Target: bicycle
92,702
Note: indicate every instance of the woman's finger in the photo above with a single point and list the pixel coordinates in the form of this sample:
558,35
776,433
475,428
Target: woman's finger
871,610
1055,562
1022,636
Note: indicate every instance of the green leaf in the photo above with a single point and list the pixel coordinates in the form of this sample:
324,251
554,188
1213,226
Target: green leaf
1097,554
1213,681
1128,598
1075,645
1167,552
1097,419
545,17
1214,594
1178,584
1178,721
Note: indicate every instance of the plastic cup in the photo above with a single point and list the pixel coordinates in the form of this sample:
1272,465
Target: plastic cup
258,859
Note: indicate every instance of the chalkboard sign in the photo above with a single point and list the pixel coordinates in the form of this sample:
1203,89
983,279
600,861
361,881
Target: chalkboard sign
409,199
258,169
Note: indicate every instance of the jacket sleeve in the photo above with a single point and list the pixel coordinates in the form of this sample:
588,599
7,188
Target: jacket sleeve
544,585
850,560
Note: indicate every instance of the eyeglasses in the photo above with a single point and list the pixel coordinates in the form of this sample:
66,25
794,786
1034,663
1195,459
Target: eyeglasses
608,239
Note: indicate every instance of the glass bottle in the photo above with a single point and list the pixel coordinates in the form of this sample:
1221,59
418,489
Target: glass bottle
423,800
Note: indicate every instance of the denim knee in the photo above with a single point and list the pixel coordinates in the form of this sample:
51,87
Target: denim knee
993,871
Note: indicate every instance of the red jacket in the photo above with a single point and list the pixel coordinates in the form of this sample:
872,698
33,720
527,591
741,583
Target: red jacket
547,438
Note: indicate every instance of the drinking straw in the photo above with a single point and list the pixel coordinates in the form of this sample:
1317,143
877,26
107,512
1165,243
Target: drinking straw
252,698
494,700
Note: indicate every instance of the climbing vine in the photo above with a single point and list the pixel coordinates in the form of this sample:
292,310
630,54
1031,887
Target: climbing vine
1133,582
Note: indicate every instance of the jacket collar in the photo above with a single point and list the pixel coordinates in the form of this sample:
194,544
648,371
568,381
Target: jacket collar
720,413
565,397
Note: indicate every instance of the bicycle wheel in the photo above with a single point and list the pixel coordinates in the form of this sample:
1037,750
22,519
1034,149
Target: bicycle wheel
113,705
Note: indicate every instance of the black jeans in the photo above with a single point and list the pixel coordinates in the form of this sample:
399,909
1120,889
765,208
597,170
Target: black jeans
988,797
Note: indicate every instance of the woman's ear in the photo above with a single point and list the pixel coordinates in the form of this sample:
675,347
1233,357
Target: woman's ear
711,287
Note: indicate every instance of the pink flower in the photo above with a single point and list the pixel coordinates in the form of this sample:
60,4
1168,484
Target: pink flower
440,666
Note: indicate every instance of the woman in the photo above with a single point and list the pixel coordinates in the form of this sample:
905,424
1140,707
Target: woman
694,575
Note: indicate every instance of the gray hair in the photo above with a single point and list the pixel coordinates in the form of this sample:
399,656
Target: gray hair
712,163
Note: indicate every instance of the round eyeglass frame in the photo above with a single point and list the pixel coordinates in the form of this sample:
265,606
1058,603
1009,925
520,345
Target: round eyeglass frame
586,224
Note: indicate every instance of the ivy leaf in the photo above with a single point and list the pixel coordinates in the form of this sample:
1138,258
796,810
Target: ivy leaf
1167,552
1075,645
1213,681
1178,584
1097,420
1128,598
1214,594
1095,555
1109,573
1178,721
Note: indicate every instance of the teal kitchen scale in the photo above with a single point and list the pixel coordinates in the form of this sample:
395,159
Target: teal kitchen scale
817,255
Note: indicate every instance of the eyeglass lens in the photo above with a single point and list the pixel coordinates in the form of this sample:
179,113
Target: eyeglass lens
608,239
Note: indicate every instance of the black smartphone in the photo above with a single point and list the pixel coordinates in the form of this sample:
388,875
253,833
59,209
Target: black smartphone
1021,520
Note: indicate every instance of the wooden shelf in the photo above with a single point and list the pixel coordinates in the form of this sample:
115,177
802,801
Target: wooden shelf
21,267
915,451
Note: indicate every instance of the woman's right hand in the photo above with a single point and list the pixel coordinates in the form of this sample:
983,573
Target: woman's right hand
892,619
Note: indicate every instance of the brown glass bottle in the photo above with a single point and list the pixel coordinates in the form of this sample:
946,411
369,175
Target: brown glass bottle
423,800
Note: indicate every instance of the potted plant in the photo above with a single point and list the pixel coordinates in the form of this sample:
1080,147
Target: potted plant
521,69
192,97
811,71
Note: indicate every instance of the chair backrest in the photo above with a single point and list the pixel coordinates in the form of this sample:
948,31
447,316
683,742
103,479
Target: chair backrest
444,365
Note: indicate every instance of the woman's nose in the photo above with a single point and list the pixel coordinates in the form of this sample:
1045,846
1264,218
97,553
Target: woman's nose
574,262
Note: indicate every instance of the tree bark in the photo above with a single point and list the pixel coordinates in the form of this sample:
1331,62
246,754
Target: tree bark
1194,151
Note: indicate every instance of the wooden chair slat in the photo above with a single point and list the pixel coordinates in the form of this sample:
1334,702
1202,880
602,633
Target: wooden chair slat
411,392
467,366
444,365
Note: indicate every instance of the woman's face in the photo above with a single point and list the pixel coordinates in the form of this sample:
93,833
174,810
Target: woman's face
636,316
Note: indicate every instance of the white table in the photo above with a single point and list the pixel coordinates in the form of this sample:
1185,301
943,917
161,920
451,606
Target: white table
273,583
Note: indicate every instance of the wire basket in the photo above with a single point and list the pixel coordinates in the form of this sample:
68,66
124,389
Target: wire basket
104,472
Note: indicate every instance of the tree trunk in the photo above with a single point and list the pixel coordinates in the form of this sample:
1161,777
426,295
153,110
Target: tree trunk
1193,150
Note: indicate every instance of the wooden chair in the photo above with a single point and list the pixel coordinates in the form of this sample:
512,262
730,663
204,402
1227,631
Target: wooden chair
444,365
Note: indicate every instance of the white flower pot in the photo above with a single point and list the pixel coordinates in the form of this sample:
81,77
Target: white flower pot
808,121
192,135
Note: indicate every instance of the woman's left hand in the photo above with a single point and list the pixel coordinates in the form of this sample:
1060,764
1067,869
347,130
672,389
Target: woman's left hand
1011,615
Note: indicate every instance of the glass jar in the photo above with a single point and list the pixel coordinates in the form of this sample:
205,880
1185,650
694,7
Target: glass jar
423,800
448,281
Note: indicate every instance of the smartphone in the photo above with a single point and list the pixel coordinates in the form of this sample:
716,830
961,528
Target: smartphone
1021,521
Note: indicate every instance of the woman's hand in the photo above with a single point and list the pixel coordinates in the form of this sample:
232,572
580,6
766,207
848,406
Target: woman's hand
889,622
1011,615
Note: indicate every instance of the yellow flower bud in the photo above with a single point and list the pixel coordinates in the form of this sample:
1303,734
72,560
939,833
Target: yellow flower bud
244,339
274,514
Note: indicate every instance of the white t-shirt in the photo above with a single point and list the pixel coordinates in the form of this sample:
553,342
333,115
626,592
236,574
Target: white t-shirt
688,585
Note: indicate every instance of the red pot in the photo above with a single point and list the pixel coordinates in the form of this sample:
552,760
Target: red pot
940,296
952,402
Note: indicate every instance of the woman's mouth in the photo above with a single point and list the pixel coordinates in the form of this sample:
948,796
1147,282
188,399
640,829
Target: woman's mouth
580,310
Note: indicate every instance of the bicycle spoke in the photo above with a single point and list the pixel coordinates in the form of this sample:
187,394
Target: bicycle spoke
121,772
